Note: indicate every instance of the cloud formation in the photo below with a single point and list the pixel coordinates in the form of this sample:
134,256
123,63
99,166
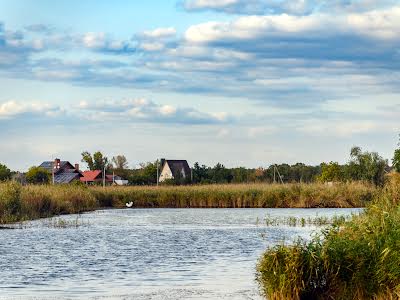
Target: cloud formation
121,111
292,7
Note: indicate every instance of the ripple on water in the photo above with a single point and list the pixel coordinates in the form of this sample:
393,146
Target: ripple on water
144,254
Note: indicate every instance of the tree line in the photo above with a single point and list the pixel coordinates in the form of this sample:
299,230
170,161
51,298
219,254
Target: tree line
362,166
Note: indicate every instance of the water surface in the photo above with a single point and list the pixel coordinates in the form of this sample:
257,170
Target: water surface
145,253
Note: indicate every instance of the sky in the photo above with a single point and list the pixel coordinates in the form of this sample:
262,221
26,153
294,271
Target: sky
242,82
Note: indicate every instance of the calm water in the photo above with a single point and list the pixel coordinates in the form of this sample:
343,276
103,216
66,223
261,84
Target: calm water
144,254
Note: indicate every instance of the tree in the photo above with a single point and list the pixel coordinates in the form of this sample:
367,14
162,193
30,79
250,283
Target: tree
396,158
96,162
366,166
331,172
120,162
38,175
5,173
87,158
147,174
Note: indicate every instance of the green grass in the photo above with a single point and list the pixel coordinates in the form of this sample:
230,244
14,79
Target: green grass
356,259
37,201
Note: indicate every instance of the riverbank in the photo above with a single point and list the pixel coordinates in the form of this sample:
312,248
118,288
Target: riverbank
358,259
30,202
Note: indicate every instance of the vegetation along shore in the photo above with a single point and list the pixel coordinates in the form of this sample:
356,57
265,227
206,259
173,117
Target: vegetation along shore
19,202
357,259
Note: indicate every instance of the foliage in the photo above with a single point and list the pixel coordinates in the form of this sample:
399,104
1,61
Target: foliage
38,175
366,166
396,158
120,162
146,175
96,162
331,172
5,173
357,259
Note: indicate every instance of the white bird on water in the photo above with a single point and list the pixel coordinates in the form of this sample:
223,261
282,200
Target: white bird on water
129,204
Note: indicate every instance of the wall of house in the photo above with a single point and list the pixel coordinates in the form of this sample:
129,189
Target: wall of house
165,173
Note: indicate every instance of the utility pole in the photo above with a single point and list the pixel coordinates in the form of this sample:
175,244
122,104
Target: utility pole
279,174
157,172
104,176
274,173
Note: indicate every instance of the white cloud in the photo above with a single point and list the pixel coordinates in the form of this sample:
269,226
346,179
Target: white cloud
382,24
13,108
160,33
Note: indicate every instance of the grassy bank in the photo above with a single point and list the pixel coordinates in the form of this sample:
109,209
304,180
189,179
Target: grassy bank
357,259
29,202
19,203
240,195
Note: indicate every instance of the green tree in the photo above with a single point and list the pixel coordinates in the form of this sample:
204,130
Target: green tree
331,172
38,175
145,175
96,162
120,162
366,166
5,173
396,158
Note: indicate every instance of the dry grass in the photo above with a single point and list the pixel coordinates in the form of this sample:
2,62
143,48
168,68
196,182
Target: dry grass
239,195
29,202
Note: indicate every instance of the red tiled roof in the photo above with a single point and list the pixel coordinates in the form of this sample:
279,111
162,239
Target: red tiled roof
91,175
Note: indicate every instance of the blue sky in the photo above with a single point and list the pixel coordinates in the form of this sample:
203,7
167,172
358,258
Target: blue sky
245,83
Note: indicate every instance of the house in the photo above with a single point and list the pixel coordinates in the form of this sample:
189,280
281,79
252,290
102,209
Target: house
175,170
96,176
62,171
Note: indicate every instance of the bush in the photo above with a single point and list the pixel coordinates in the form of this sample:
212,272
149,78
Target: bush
37,175
5,173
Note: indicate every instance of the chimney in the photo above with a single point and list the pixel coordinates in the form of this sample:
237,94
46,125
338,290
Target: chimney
77,167
57,162
162,162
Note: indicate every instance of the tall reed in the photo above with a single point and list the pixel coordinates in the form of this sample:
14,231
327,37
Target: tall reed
35,201
30,202
239,195
358,259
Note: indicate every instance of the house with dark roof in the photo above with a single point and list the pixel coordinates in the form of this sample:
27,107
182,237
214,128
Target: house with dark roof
64,171
174,170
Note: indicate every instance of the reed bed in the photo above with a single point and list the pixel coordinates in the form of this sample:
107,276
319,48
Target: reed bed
239,195
18,203
355,259
36,201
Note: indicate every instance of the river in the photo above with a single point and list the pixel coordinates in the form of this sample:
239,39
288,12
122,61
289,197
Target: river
144,253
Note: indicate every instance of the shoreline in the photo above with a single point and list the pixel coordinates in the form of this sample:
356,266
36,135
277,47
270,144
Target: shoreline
19,203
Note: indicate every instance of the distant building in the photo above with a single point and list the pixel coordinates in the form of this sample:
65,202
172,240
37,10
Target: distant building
64,171
96,176
174,169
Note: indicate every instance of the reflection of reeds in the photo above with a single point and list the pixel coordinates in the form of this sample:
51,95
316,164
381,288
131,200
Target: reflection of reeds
29,202
354,259
60,222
